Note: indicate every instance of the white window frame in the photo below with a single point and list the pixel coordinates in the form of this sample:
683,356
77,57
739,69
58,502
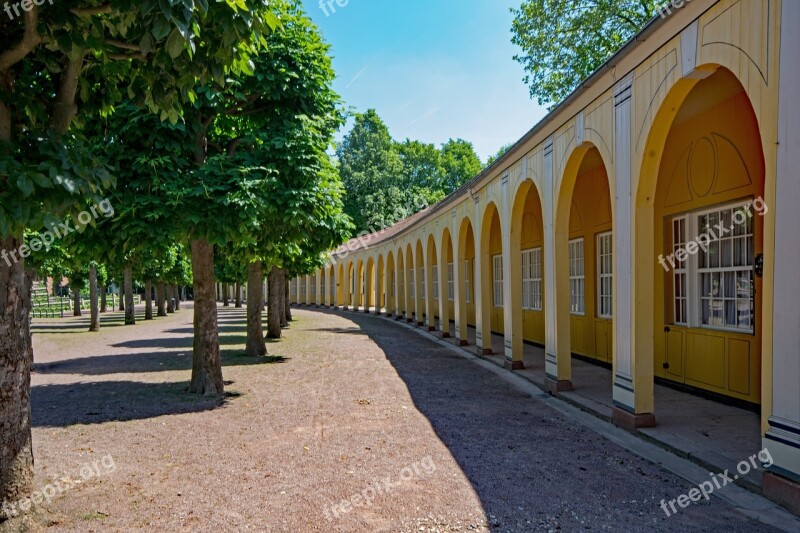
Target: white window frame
313,286
532,279
695,271
605,274
413,282
497,280
577,277
394,283
435,281
451,284
680,274
422,282
467,280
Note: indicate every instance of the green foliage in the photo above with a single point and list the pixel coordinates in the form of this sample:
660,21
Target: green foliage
564,41
153,52
387,181
500,153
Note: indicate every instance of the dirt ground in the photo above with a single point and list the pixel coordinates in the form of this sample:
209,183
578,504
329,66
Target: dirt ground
352,424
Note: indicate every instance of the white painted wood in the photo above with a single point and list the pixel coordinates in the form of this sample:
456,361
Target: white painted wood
623,245
783,436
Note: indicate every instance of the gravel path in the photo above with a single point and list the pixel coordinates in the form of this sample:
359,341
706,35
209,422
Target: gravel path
352,424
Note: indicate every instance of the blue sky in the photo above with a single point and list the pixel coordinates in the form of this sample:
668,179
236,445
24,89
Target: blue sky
433,69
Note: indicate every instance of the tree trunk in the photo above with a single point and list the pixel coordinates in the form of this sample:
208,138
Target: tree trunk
94,307
103,302
238,295
275,307
177,292
225,302
148,300
255,329
287,304
76,302
160,297
16,359
122,296
206,363
170,298
130,311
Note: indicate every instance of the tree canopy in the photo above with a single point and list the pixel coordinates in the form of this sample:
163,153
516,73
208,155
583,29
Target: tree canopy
564,41
387,180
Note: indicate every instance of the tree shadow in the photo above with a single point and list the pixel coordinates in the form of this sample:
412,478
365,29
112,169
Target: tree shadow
63,405
146,362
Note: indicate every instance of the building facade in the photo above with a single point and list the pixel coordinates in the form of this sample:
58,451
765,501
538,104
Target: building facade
650,222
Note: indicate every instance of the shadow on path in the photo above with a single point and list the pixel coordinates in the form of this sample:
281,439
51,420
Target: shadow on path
532,468
106,401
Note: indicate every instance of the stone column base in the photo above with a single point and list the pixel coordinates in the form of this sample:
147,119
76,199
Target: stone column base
463,342
630,421
554,387
781,490
410,320
420,324
445,334
514,365
483,351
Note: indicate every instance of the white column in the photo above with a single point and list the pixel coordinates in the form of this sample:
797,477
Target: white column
482,291
783,436
623,239
549,217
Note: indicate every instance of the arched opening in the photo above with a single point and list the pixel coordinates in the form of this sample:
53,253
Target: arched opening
402,300
706,238
380,295
491,282
341,286
432,285
350,289
411,290
331,286
447,286
419,284
527,304
358,286
584,245
465,307
390,287
369,286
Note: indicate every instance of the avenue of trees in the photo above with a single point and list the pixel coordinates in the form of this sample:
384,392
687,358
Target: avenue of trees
204,126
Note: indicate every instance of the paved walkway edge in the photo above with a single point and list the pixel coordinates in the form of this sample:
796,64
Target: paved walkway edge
746,502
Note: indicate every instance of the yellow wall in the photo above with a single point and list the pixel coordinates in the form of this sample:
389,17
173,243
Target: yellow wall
712,156
533,237
590,215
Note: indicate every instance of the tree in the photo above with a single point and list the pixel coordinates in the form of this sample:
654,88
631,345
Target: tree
58,67
564,41
368,162
500,153
459,163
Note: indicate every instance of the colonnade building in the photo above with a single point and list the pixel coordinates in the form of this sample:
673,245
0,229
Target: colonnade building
650,223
